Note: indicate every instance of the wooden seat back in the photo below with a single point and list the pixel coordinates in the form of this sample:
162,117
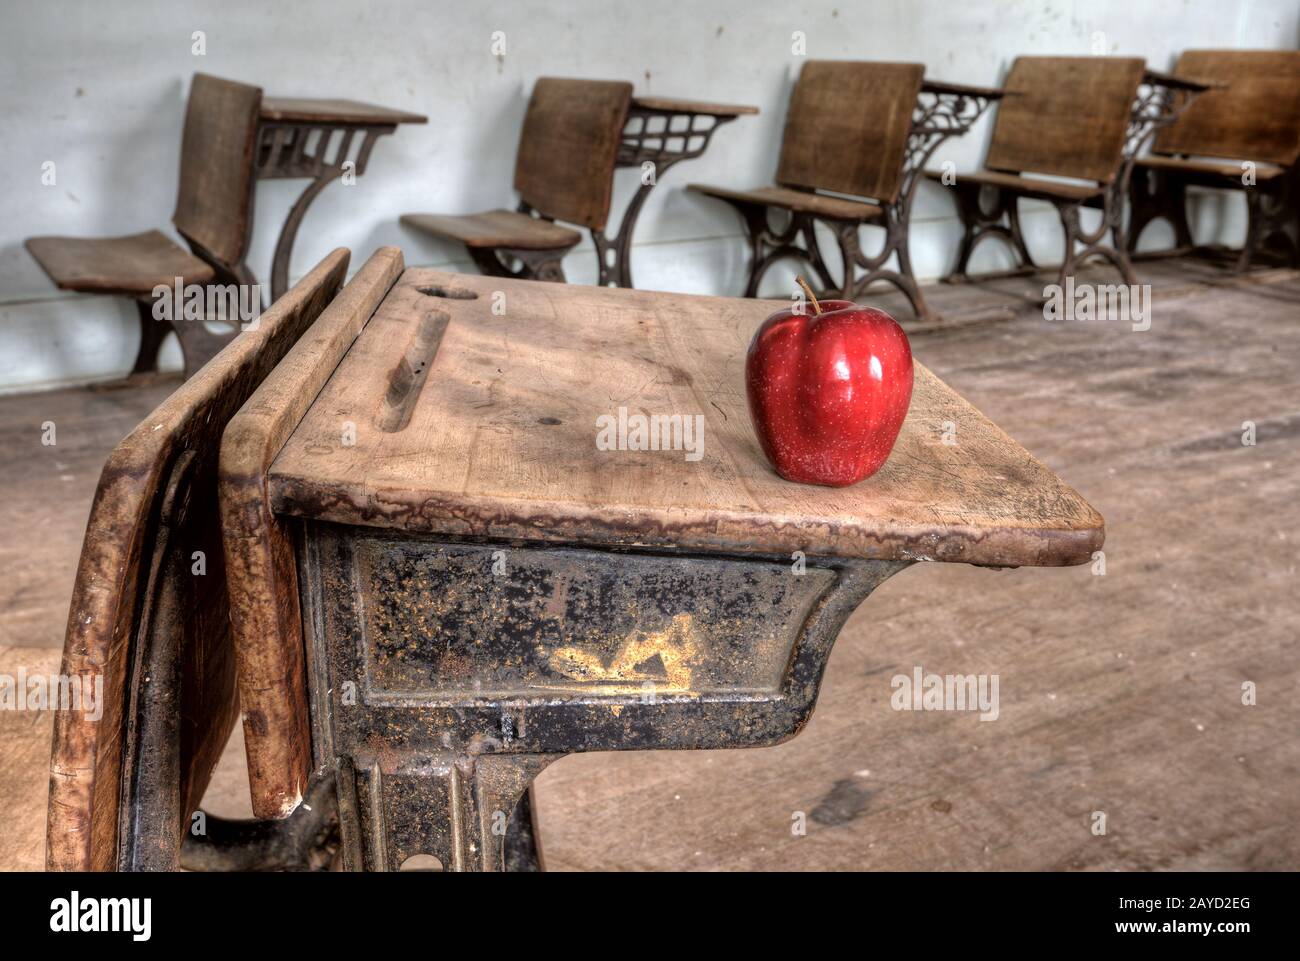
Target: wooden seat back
847,126
568,147
214,203
150,614
1256,116
1065,116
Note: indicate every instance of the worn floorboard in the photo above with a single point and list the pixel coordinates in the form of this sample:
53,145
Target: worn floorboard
1118,693
47,492
24,763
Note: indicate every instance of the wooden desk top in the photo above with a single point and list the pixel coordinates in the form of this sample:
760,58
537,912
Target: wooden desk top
678,105
474,423
314,110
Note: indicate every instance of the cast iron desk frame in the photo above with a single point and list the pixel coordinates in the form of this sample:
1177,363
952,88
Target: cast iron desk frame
660,131
315,139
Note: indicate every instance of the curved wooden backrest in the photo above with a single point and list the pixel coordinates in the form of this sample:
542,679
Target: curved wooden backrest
1256,117
260,559
847,126
214,204
570,140
150,602
1066,116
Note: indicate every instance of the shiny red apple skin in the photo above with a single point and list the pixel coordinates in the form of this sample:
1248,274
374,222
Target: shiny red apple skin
828,392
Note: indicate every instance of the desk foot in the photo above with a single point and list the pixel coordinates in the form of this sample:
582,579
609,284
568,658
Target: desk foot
471,813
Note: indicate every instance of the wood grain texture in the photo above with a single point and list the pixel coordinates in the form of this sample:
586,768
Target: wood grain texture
1255,115
259,550
333,111
567,150
214,204
495,228
1067,116
133,265
847,125
804,201
501,440
105,613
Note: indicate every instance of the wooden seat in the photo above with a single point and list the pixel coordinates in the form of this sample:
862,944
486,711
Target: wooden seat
564,171
804,201
132,266
1244,135
213,214
1064,117
847,133
496,228
150,615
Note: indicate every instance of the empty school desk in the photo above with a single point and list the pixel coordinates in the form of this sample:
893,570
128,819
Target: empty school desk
467,586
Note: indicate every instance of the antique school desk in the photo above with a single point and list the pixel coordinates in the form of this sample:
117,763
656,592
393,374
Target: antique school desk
311,138
426,545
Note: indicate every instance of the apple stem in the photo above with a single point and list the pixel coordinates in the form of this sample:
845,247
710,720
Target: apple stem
817,308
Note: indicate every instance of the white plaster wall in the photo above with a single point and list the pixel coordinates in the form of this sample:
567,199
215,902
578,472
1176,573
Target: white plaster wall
99,88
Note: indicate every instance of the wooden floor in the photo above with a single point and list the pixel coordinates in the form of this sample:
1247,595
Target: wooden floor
1119,693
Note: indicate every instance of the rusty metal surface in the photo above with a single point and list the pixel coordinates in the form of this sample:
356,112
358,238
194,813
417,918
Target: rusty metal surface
315,150
447,674
306,841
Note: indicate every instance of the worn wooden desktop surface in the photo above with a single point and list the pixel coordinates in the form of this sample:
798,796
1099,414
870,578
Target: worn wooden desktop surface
324,110
474,422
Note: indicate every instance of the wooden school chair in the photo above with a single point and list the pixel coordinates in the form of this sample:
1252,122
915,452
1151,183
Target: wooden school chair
564,171
150,614
214,209
1064,117
1244,136
842,159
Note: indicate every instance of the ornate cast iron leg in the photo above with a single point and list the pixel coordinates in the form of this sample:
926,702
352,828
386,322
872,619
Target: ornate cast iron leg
1070,223
288,150
533,264
977,223
152,334
1155,195
198,344
289,232
768,246
1080,244
1270,214
649,138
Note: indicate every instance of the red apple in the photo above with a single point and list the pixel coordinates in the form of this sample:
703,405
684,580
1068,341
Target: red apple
828,390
